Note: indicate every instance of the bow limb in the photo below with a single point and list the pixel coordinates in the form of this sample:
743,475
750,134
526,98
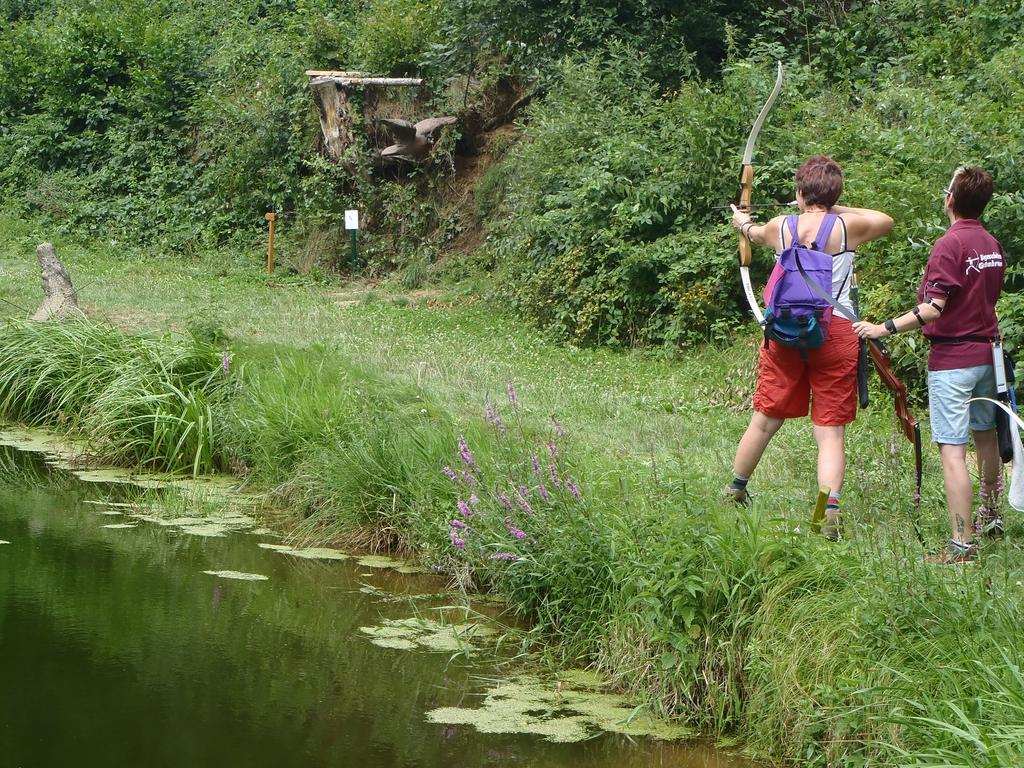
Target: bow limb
747,191
746,255
911,427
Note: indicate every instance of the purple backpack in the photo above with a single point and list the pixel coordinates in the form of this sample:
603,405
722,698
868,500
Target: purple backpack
795,314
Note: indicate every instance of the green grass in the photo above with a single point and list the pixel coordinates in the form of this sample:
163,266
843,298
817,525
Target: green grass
347,405
144,402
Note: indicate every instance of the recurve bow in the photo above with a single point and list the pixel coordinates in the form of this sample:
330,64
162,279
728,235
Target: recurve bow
747,191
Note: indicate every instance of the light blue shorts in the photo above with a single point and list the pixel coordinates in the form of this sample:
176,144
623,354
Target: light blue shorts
951,415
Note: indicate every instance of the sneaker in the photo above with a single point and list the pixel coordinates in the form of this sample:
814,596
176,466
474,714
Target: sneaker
737,495
954,554
832,527
987,522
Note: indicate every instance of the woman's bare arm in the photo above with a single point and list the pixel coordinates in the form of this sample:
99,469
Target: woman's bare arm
766,235
863,224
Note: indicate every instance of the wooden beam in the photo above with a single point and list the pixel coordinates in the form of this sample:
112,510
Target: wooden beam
342,79
333,73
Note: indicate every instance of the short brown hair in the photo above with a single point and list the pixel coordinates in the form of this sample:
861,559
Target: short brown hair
820,181
971,189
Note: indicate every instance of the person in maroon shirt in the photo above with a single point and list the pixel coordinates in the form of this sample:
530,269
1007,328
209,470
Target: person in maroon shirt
957,300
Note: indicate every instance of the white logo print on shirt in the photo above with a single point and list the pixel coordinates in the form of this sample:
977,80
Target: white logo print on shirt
982,261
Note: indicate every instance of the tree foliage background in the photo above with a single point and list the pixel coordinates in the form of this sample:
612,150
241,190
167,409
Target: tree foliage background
177,125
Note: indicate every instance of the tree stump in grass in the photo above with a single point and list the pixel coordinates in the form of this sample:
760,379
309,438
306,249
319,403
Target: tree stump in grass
59,300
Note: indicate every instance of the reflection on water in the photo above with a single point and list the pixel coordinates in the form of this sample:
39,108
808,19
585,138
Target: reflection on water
116,649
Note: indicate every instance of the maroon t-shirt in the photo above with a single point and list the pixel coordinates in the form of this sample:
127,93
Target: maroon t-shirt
966,268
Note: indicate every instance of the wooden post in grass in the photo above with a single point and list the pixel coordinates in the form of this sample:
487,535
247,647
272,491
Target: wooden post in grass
271,217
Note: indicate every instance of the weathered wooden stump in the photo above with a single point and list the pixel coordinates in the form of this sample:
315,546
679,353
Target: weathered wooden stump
332,103
59,300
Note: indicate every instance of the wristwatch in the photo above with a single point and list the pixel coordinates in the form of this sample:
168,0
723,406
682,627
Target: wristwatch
890,326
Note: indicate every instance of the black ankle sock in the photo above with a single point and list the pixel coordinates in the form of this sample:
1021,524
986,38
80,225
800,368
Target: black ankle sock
739,483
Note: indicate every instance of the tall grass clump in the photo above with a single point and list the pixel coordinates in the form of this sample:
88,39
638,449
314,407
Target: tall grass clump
356,454
896,658
140,401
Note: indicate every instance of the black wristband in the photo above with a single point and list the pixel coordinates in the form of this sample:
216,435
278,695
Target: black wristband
890,326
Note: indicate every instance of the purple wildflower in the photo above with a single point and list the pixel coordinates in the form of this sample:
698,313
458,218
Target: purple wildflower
554,476
512,394
523,492
450,474
524,506
474,499
505,502
499,424
470,480
489,415
536,465
518,533
573,489
504,556
458,524
225,362
553,450
543,492
465,454
464,509
458,543
559,429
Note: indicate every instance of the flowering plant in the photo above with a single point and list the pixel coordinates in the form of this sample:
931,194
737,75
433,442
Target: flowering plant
501,502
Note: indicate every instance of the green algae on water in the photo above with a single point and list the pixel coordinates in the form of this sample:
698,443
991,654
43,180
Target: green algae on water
309,553
383,596
238,575
209,486
381,561
426,634
58,449
411,569
204,530
528,705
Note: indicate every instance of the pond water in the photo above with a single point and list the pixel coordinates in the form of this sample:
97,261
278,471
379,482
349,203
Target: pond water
117,648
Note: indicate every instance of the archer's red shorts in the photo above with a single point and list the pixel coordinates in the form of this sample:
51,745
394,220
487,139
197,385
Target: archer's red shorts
785,383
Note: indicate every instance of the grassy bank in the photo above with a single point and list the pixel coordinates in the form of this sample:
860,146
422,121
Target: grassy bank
348,405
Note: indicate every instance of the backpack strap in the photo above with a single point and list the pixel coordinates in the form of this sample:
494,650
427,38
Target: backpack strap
821,239
842,246
820,242
791,222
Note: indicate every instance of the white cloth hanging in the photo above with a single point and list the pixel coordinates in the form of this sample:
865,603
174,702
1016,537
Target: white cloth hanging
1016,494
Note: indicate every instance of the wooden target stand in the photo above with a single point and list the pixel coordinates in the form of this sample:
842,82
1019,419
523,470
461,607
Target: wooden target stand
331,90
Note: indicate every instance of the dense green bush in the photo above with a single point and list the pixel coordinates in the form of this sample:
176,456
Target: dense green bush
394,36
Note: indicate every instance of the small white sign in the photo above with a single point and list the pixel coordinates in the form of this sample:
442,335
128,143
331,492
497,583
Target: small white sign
351,219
